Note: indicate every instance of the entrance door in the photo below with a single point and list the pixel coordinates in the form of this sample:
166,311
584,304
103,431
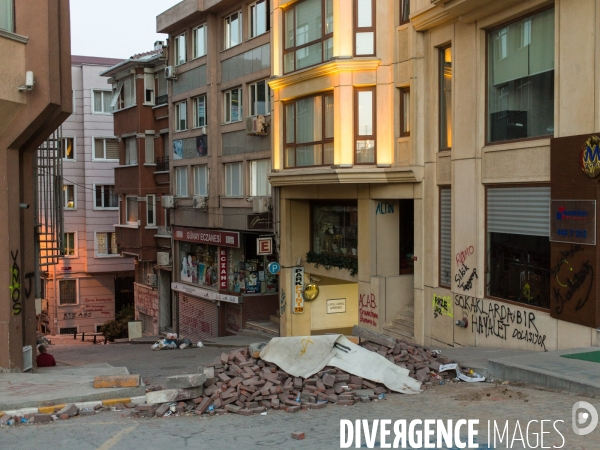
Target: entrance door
123,293
407,236
165,309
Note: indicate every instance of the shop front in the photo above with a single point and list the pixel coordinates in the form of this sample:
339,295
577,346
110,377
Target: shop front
222,281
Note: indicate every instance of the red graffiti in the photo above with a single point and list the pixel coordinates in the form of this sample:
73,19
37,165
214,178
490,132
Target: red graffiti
461,257
366,307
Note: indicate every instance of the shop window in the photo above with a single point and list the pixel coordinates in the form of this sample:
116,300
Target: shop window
199,264
364,27
407,236
308,34
199,44
445,237
365,126
67,291
247,272
335,228
518,259
445,86
309,138
521,78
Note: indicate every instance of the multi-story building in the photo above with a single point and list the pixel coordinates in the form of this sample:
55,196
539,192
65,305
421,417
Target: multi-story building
35,98
141,123
91,281
346,171
508,122
219,63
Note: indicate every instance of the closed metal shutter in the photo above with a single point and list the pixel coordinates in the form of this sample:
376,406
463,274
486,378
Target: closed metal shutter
520,210
198,319
445,236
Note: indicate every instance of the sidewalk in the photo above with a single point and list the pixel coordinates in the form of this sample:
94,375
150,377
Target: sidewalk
237,341
545,369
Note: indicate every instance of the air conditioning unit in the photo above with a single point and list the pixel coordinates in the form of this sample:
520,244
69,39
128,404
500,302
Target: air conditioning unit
170,73
163,258
151,279
200,202
167,201
256,125
261,205
202,131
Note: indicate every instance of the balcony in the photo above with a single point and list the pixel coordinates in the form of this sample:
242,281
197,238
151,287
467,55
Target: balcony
162,164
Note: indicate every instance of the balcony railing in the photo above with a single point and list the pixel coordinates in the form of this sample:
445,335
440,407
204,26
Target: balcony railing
162,164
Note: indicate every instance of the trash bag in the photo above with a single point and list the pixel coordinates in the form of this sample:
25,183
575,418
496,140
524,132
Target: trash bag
185,342
199,344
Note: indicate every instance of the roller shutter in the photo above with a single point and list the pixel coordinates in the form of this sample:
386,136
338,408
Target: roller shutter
519,210
198,319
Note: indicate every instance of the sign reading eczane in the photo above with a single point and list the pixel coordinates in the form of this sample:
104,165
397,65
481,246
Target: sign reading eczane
573,221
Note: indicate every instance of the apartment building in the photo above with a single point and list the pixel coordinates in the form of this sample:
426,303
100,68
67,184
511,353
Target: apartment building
35,98
347,173
219,63
511,156
91,281
141,125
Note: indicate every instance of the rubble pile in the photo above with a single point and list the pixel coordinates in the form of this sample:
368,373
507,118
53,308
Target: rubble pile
423,364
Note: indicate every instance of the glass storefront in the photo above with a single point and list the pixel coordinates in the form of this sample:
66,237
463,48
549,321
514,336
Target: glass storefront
335,228
199,264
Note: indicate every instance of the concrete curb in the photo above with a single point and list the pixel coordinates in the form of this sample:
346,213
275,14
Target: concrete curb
505,370
81,405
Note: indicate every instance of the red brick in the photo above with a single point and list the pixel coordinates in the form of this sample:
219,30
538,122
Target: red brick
346,402
292,409
299,435
203,406
318,406
63,417
245,412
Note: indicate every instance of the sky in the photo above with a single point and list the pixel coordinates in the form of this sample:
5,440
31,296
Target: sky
115,28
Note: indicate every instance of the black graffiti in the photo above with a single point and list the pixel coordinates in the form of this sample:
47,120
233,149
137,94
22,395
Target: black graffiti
470,304
441,306
29,276
529,336
74,315
566,254
574,285
15,284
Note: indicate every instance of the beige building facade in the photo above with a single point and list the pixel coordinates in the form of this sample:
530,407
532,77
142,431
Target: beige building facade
424,213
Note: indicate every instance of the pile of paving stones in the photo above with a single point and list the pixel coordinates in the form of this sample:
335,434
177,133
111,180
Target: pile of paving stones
60,413
240,382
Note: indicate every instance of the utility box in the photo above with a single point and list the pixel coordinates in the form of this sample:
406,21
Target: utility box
135,329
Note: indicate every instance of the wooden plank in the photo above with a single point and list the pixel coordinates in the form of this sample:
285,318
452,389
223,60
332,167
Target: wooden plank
373,336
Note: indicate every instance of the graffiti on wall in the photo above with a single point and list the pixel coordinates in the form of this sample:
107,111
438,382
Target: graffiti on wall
464,277
367,309
15,284
384,208
442,306
496,320
282,303
462,256
234,319
574,283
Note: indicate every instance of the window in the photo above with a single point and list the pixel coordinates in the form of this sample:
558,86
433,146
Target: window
151,210
309,131
259,183
180,50
260,95
234,182
67,291
445,237
131,211
105,197
181,182
407,236
200,111
404,11
149,86
68,148
6,15
199,41
364,26
201,180
233,105
365,126
69,196
335,228
308,34
259,18
445,68
69,243
106,149
518,246
102,101
233,30
199,264
149,149
131,151
521,79
404,112
181,116
106,244
123,95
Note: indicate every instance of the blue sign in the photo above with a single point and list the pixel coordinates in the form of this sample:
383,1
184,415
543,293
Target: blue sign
274,268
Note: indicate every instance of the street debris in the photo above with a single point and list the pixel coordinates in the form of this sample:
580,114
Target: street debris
172,341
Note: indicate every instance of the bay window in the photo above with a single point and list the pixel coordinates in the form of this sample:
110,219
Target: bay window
521,78
365,126
131,211
308,34
309,131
